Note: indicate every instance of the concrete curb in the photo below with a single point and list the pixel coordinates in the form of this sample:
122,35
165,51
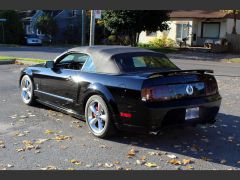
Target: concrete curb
7,62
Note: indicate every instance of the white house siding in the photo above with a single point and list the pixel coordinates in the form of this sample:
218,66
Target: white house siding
195,28
230,23
171,33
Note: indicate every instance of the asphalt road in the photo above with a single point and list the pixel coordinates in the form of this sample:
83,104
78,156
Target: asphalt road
208,147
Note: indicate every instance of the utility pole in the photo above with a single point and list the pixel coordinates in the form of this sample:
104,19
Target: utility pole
83,27
3,35
92,28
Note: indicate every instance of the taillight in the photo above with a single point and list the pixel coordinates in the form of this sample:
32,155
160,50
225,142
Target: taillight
158,93
211,87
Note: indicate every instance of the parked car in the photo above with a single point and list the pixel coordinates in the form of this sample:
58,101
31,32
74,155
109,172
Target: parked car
33,39
126,88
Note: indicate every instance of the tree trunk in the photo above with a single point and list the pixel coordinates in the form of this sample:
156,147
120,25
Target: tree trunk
234,31
137,38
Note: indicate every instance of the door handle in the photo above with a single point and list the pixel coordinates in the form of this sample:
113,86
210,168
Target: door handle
69,78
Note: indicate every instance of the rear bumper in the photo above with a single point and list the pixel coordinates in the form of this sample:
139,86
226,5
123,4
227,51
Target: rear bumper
154,117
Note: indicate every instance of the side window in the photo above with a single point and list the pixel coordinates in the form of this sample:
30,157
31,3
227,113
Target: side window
88,66
72,61
139,62
67,59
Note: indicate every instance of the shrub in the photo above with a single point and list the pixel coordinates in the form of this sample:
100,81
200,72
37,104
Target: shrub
158,43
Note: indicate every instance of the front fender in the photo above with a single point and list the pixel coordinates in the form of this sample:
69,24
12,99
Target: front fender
25,71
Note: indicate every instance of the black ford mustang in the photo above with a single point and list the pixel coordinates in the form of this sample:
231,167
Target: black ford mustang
118,87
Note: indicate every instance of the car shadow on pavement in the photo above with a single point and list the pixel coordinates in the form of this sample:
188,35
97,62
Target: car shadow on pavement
218,143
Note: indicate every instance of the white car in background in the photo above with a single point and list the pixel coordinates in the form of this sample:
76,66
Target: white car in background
33,39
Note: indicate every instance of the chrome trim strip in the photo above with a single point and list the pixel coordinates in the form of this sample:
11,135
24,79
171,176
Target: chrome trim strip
56,96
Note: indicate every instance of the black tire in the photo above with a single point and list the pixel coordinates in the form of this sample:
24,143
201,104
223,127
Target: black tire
31,99
109,127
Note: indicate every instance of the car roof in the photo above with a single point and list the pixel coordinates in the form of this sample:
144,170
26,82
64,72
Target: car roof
102,55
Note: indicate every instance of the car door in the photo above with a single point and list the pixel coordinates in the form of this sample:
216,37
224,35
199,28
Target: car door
59,86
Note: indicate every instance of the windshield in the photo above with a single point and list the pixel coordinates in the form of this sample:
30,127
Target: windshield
133,62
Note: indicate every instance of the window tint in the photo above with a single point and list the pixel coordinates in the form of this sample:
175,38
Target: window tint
144,62
89,66
80,58
72,61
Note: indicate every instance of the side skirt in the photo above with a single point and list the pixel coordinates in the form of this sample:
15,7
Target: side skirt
63,110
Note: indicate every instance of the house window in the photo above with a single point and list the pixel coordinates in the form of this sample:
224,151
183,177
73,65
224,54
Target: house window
210,29
74,12
151,33
182,31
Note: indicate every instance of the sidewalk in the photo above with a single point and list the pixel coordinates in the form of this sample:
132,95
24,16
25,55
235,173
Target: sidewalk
203,56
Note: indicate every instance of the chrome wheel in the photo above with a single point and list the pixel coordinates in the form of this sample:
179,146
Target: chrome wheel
26,89
97,116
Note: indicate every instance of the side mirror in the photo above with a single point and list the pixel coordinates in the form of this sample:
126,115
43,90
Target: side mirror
49,64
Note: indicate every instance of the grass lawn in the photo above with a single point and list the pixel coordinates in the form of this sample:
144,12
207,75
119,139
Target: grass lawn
2,58
233,60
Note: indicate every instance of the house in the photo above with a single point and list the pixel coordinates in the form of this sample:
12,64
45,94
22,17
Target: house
198,26
68,23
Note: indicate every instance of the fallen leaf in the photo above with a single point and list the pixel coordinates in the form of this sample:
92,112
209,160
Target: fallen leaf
76,162
154,153
75,122
28,144
10,165
143,158
2,145
89,165
172,156
128,169
131,153
62,137
175,162
108,165
149,164
49,168
139,162
70,169
186,161
41,141
19,134
37,151
189,167
119,168
20,149
48,131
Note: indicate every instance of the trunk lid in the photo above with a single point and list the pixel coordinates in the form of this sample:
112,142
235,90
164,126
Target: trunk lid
176,84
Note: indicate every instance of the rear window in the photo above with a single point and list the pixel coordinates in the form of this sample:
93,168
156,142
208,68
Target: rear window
143,62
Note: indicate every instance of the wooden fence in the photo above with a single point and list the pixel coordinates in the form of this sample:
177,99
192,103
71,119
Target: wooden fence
234,40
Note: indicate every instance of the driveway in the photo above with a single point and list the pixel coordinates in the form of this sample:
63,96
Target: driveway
40,138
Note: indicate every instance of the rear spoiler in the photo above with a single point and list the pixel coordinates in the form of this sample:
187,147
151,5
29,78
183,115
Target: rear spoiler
200,71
